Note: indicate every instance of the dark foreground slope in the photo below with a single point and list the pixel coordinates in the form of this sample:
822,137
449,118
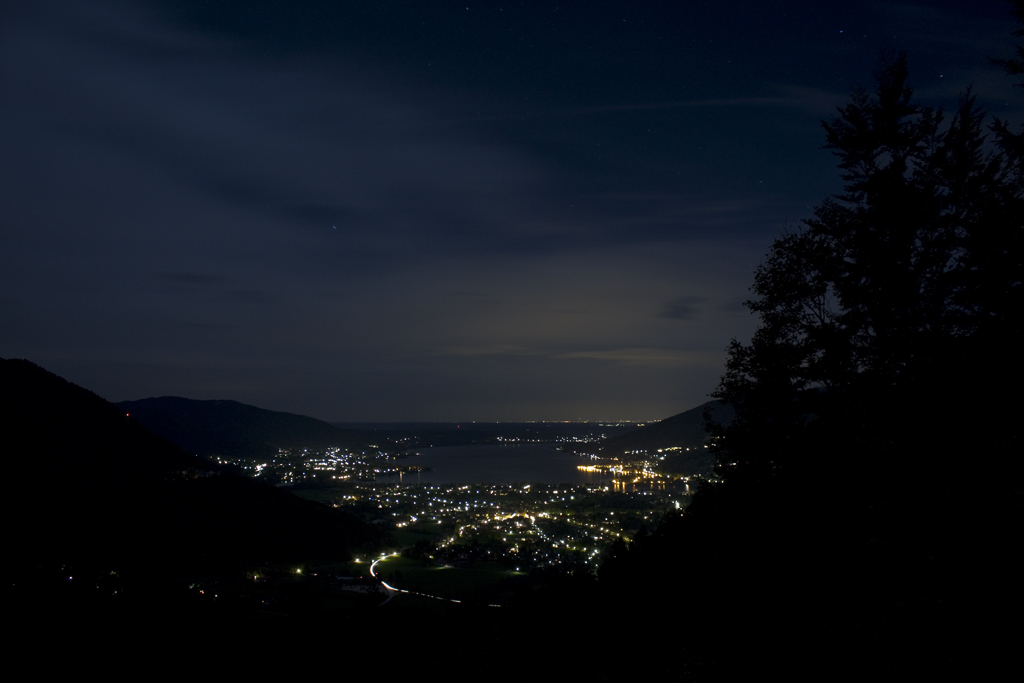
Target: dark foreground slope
87,484
122,550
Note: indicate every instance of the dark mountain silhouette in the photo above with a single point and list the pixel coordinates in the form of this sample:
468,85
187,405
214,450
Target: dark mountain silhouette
233,429
90,485
683,431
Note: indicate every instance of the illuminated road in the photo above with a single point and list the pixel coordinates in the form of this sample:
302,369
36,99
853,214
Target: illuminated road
392,590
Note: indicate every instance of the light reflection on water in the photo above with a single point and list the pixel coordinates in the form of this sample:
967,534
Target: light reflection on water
495,464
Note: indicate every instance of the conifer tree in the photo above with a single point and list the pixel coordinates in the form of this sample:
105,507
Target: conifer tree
882,302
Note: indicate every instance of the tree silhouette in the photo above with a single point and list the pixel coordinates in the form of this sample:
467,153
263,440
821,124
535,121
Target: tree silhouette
872,471
1015,65
883,300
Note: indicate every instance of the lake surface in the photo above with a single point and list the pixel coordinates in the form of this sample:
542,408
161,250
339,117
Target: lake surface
495,464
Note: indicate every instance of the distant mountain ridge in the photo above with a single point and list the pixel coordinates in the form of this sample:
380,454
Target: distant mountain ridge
683,431
233,429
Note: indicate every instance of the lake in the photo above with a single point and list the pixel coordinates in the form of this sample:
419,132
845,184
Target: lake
495,464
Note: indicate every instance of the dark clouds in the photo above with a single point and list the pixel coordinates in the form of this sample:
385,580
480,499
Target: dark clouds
682,308
417,211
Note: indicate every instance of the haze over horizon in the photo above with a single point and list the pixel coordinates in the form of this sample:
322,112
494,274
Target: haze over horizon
427,212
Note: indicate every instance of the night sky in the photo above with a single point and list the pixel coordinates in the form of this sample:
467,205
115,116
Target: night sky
427,210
